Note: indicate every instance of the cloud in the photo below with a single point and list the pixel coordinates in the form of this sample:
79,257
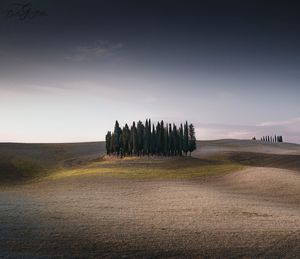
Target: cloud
100,49
280,123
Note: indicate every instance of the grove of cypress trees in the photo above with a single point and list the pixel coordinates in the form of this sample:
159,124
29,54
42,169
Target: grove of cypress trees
139,139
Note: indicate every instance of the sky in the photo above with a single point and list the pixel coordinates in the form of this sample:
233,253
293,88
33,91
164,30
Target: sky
69,69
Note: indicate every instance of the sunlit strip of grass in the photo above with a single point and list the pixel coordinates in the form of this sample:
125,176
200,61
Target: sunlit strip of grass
148,173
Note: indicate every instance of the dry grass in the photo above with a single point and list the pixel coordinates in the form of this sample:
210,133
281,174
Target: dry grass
150,168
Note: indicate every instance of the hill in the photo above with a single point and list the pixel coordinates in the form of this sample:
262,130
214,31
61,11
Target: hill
217,203
19,162
26,161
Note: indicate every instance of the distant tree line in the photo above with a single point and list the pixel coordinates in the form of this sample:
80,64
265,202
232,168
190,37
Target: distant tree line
272,139
146,139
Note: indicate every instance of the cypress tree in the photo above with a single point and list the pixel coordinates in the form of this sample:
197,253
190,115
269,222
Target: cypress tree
166,140
180,139
192,139
149,137
134,139
126,140
153,141
146,139
112,144
175,140
140,137
162,137
108,143
186,138
171,140
157,140
117,138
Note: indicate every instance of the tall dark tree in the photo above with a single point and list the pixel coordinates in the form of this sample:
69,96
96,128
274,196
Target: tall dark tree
186,138
162,137
108,143
149,137
153,141
134,139
126,140
166,141
117,138
140,137
181,139
171,141
146,139
112,144
192,138
175,140
158,138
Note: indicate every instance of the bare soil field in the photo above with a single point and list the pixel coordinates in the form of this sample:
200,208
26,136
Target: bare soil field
252,211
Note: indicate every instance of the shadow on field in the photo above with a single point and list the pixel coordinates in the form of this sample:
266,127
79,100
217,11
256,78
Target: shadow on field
291,162
23,162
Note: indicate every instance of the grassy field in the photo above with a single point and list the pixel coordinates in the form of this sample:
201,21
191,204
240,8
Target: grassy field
151,168
72,201
25,162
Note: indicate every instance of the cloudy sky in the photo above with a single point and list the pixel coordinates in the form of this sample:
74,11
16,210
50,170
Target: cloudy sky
69,69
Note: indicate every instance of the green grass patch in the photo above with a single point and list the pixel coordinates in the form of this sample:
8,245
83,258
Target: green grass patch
151,168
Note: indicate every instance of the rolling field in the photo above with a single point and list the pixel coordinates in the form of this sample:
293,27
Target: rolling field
231,199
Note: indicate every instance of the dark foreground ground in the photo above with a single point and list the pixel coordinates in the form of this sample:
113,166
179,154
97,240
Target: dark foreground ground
254,212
